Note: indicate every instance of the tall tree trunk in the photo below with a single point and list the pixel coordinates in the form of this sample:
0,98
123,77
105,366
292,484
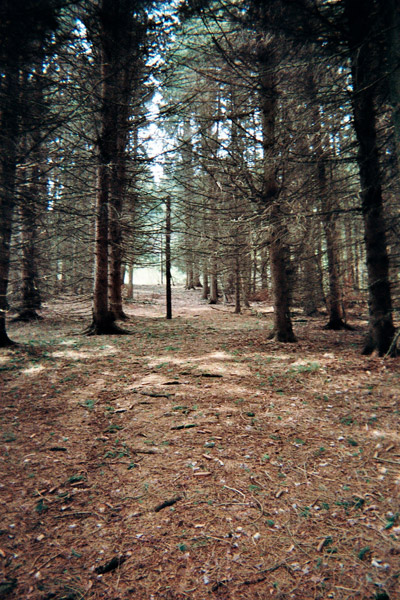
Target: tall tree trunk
392,22
278,253
264,263
189,273
119,41
206,287
168,259
322,151
213,299
364,53
33,193
8,151
31,300
118,185
238,307
282,330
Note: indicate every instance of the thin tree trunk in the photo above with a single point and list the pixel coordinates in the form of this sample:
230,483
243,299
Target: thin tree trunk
129,289
213,299
206,287
238,307
321,149
168,259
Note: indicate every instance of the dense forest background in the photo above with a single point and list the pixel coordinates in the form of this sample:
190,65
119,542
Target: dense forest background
254,145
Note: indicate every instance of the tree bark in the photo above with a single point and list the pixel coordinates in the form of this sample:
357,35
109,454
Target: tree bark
392,22
213,299
364,53
9,132
282,331
118,47
168,259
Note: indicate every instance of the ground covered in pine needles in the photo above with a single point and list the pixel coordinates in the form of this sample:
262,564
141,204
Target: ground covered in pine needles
196,459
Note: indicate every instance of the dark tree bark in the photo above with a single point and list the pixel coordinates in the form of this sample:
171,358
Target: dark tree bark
206,287
32,192
24,28
31,300
278,251
238,308
9,132
168,259
118,186
213,298
119,38
364,55
392,30
283,331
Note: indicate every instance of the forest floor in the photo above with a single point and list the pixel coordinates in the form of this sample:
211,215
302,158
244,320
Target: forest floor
197,459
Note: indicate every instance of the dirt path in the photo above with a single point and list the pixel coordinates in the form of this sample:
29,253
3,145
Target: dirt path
196,459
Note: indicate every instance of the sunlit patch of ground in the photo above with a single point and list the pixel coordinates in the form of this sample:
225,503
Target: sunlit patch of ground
84,354
33,370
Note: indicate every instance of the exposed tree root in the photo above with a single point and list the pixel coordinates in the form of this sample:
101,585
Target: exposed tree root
105,327
338,325
5,341
121,316
386,346
286,337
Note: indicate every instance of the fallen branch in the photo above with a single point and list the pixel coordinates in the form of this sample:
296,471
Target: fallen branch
263,577
155,394
386,460
167,503
111,565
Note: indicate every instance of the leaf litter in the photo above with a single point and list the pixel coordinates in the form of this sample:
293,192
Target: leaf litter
263,471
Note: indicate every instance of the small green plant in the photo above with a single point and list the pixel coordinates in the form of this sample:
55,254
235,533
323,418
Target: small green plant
391,521
239,400
352,442
41,507
89,404
254,488
113,428
270,522
362,555
308,368
320,451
